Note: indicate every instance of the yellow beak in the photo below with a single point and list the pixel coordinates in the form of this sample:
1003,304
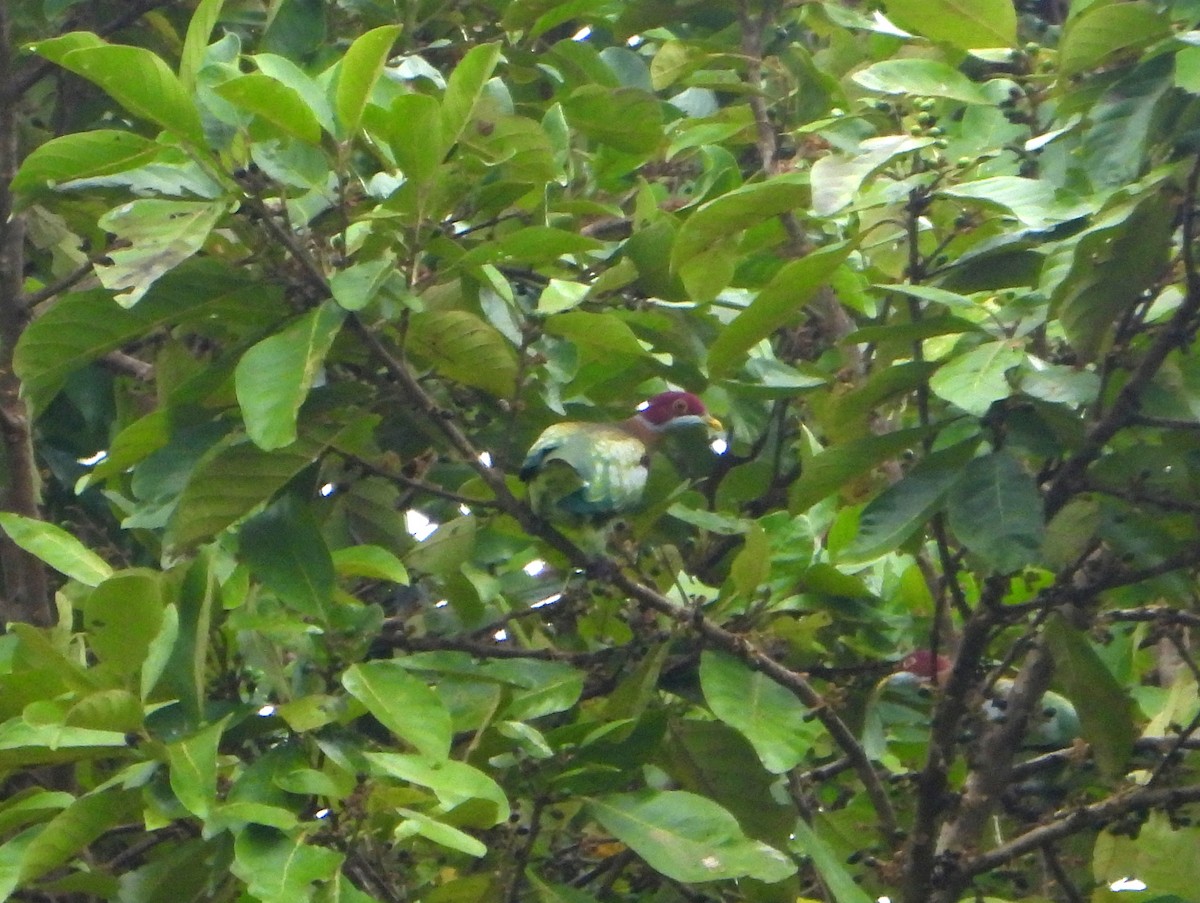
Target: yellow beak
713,424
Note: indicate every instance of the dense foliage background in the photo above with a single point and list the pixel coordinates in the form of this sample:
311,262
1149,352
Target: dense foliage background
287,289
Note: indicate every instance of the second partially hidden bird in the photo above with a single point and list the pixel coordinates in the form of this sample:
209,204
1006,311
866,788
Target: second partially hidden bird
586,474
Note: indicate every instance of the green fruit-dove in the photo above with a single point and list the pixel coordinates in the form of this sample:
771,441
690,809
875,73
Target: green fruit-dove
586,473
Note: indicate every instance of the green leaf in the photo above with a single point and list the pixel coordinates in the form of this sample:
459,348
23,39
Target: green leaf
229,483
1033,202
1070,532
626,119
24,744
122,616
274,377
374,562
1105,29
461,346
274,102
193,764
837,465
836,178
403,704
973,381
1124,254
158,235
360,69
278,868
904,507
721,220
463,90
777,724
751,566
926,78
83,155
598,336
356,286
833,873
779,303
288,73
284,548
996,512
57,548
142,83
454,783
965,24
195,43
83,326
1105,710
414,133
439,832
74,828
687,837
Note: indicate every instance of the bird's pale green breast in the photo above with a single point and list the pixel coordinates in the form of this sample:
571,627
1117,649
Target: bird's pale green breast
609,464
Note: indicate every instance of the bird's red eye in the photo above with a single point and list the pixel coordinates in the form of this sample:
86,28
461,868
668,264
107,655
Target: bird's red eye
680,406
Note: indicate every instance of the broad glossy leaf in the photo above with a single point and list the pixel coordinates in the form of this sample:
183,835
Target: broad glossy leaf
142,83
996,512
74,828
193,764
24,744
122,617
973,381
195,42
229,483
1034,202
360,69
461,346
723,218
965,24
1105,710
904,507
777,724
1114,263
828,471
284,548
928,78
834,875
1106,29
288,73
454,783
274,102
404,704
626,119
414,133
83,155
417,823
837,178
157,235
463,90
779,303
83,326
687,837
597,335
107,710
279,868
274,377
539,688
374,562
56,547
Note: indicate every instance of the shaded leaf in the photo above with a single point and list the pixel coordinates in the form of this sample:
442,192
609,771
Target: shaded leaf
274,102
284,548
1105,710
360,69
83,155
403,704
687,837
463,90
56,547
973,381
776,723
274,377
996,512
462,347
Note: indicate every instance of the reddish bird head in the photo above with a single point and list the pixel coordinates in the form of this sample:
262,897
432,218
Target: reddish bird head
671,409
923,664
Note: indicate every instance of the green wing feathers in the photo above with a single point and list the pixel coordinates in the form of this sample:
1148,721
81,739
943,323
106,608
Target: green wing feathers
585,470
